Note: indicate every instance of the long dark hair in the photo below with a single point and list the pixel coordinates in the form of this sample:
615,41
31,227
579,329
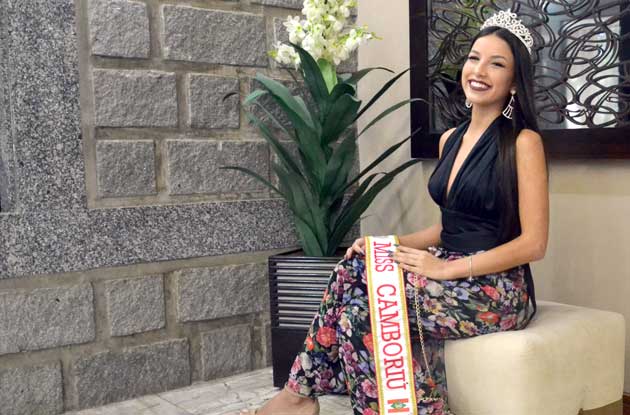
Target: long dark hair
523,116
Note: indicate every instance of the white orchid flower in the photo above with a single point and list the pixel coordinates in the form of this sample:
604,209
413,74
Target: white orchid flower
323,33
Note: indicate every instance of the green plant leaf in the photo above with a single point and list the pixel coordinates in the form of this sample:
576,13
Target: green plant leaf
384,89
283,154
338,168
253,96
309,239
334,210
356,77
306,132
340,90
291,74
389,111
344,170
342,114
343,77
275,120
255,176
356,195
380,158
312,156
286,185
304,207
329,73
296,111
317,125
350,216
313,77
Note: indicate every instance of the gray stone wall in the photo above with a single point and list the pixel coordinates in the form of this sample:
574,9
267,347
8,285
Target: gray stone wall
129,263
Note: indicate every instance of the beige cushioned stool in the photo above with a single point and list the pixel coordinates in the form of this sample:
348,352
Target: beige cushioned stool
569,360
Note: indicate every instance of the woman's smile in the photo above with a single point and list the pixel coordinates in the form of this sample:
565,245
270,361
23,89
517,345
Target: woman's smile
478,86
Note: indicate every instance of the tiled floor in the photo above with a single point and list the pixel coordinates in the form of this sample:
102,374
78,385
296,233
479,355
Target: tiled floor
221,396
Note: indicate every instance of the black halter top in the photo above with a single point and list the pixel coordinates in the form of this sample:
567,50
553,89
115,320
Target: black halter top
471,211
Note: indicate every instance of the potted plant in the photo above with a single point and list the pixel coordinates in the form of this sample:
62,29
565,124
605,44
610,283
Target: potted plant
317,186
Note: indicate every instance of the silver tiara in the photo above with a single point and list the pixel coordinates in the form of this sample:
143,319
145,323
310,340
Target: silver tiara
511,22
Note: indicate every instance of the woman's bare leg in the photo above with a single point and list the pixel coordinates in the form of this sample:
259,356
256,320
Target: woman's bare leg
287,402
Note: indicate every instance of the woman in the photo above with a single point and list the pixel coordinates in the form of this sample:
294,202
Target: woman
491,185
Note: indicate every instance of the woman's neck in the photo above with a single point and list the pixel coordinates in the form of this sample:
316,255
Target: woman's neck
480,120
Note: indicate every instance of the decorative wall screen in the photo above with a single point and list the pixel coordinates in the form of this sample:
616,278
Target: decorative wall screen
582,71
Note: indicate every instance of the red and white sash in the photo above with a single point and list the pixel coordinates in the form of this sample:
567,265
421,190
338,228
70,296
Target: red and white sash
390,328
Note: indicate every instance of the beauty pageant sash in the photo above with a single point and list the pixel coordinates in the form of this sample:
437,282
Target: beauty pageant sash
390,328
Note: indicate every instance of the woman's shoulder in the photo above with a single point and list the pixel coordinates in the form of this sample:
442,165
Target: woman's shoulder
526,132
528,140
443,138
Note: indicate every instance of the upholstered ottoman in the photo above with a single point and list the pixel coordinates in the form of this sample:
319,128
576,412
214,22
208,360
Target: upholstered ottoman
569,360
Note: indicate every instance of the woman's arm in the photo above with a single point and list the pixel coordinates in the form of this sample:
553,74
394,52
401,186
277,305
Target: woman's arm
422,239
533,195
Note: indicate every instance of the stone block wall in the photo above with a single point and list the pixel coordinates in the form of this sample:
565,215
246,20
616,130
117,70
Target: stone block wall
129,262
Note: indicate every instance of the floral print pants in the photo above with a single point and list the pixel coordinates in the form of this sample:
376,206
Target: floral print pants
338,350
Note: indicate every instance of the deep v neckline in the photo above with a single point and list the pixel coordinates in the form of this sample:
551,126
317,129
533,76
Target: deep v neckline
447,191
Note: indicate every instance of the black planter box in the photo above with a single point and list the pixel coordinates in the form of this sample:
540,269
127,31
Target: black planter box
296,288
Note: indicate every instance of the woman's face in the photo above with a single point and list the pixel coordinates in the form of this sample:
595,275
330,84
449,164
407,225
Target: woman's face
488,74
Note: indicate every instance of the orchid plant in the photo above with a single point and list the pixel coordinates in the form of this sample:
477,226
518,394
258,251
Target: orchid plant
316,184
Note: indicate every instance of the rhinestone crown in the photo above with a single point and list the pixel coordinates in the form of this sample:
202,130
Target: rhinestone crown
511,22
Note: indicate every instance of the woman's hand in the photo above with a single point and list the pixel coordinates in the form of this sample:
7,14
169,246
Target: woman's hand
421,262
358,246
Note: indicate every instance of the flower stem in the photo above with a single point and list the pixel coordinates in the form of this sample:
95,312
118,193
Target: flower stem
328,72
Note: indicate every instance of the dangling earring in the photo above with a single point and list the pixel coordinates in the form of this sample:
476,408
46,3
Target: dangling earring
468,103
507,112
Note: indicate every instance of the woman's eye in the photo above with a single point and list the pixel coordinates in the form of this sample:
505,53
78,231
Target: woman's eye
476,58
